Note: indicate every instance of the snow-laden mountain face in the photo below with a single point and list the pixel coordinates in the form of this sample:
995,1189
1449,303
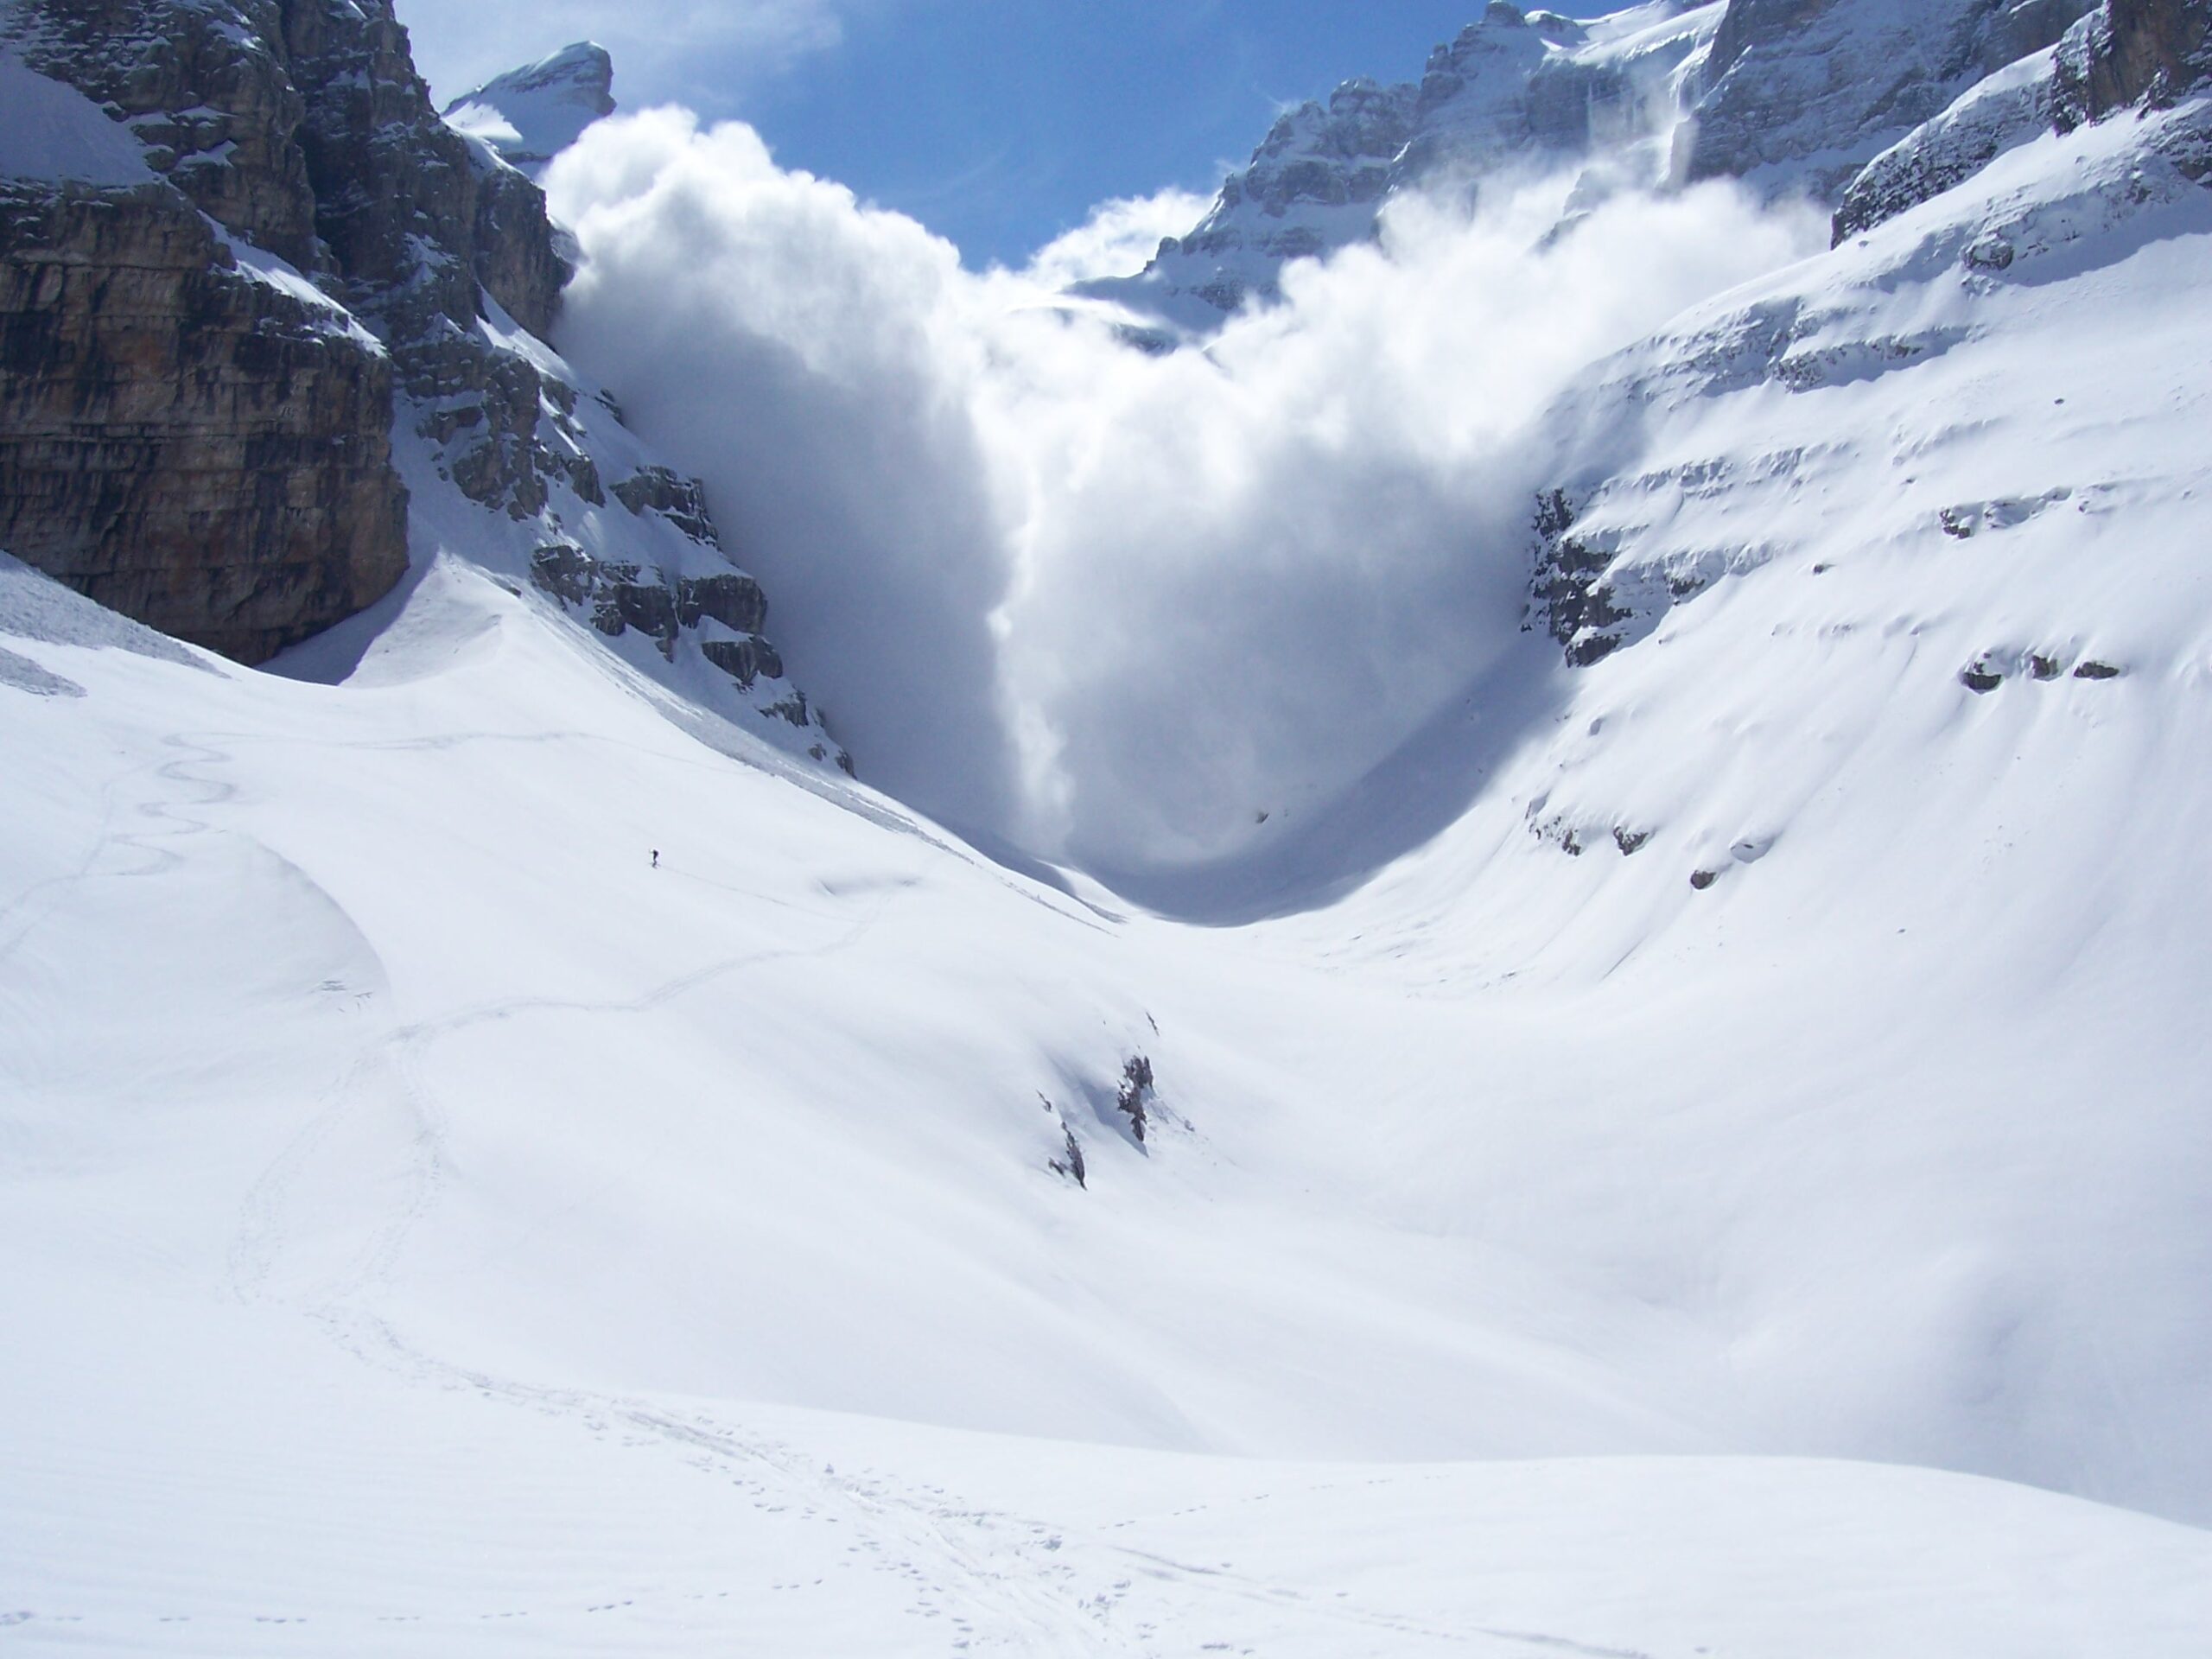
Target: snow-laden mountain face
1789,97
530,115
499,1160
1776,1046
1527,90
1800,94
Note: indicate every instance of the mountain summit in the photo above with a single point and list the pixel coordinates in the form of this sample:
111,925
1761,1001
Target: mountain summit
530,115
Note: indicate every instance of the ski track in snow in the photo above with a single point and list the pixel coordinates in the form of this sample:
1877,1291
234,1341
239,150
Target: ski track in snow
1000,1581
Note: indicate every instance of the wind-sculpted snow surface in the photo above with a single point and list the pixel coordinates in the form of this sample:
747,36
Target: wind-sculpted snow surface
1100,602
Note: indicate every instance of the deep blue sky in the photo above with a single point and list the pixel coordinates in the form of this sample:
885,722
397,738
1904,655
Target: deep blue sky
995,122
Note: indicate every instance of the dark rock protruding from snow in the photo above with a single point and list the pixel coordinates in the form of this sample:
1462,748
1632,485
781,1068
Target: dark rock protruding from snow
1134,1099
2134,51
2121,54
1570,597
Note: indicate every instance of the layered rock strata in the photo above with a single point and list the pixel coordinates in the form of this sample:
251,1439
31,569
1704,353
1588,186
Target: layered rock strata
254,279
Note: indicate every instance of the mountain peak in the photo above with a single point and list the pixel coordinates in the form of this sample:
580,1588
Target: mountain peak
529,115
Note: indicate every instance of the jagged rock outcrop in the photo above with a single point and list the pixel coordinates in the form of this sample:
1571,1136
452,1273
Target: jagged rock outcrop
1517,86
682,501
1569,597
529,116
2006,108
621,596
2133,51
1799,95
2123,55
1790,97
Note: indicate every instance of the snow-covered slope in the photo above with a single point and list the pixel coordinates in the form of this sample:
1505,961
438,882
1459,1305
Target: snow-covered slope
472,1223
532,114
494,1159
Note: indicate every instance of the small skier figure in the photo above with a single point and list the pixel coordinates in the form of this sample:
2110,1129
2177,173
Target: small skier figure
656,858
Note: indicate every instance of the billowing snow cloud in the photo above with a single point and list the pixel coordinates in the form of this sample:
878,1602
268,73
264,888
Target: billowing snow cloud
1118,238
1112,605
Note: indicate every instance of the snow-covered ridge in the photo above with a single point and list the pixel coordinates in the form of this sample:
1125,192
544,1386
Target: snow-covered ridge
529,116
1790,100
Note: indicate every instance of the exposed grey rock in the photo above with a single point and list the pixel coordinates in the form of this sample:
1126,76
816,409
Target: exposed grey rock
194,447
1802,94
2007,109
2133,51
1135,1098
621,596
734,600
1570,596
682,501
565,571
744,660
1071,1164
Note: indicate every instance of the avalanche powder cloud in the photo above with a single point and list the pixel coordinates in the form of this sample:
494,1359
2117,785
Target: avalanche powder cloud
1114,607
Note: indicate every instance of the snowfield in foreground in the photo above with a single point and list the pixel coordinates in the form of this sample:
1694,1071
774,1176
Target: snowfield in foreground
431,1226
1668,1167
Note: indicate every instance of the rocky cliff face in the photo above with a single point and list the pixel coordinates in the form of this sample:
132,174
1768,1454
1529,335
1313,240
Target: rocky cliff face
249,279
189,431
2128,54
197,448
1789,97
2134,51
1800,94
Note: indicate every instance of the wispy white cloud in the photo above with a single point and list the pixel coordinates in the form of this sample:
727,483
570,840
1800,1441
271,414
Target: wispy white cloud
666,46
1117,238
